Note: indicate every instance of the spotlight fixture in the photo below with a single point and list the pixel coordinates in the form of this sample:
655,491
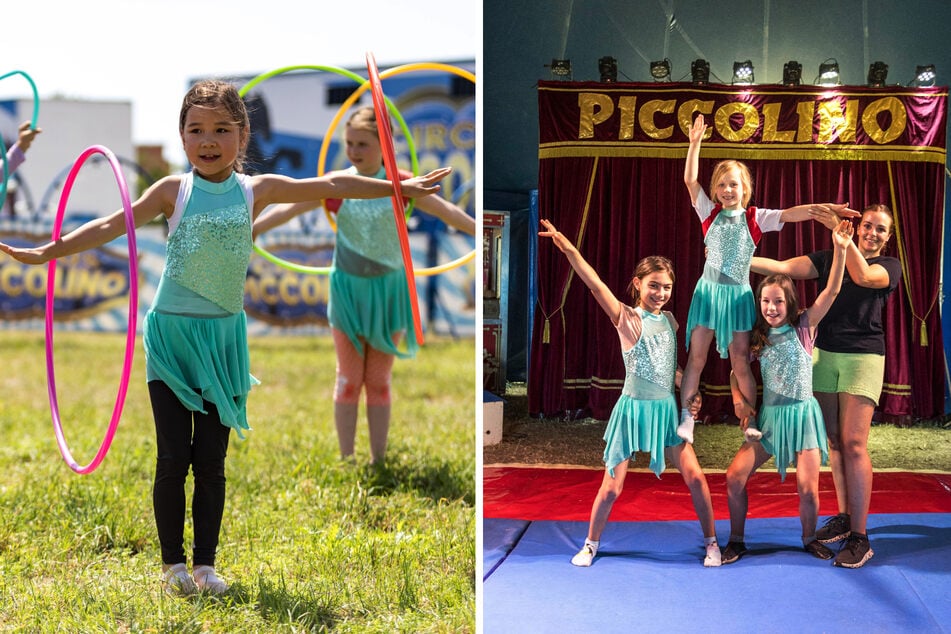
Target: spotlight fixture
828,73
792,73
877,73
607,66
560,69
924,75
700,72
660,70
743,73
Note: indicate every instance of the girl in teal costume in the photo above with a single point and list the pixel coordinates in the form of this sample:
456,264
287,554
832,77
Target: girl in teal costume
369,308
195,332
791,420
645,416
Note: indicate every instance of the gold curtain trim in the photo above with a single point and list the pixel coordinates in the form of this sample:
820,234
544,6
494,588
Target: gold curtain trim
808,152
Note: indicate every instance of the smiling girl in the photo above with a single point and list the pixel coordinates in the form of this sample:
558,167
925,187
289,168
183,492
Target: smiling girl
195,332
790,419
645,416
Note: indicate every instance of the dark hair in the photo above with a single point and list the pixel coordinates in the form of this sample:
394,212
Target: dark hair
883,208
215,93
759,337
650,264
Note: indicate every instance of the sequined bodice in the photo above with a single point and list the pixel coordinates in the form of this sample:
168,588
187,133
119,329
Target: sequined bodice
652,362
367,243
729,250
209,251
786,368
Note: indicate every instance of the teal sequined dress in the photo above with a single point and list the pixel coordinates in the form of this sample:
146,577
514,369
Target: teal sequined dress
645,416
195,332
790,419
369,299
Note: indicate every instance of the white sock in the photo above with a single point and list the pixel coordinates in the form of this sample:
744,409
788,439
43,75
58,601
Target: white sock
593,544
685,416
709,540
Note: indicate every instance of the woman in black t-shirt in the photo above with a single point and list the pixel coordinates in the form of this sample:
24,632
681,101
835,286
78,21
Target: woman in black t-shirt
849,367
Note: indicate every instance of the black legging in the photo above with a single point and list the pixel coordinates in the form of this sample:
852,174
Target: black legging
185,438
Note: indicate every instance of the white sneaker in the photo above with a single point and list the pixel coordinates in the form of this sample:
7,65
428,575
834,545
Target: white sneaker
207,581
712,560
177,582
752,434
584,557
685,430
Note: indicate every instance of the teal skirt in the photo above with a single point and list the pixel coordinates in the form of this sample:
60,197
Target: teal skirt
371,310
641,425
724,309
202,359
789,429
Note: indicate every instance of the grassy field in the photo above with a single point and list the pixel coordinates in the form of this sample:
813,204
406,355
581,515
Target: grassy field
308,543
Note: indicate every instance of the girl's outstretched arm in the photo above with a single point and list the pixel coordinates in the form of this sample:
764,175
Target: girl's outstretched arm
280,214
828,214
451,214
692,164
599,289
841,239
276,188
798,268
157,199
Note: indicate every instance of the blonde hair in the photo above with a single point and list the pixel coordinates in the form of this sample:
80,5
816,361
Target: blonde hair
746,179
364,119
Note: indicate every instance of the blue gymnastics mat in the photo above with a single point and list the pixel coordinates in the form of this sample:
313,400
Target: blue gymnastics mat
649,577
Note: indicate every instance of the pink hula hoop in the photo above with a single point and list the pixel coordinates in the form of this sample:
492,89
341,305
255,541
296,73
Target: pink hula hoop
392,172
133,311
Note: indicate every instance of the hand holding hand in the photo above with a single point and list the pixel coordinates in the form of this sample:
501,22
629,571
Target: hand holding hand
842,233
744,411
694,404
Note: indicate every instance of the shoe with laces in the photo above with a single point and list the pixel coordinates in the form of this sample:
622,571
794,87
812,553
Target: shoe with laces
732,552
836,528
584,557
855,552
177,582
818,549
207,581
712,558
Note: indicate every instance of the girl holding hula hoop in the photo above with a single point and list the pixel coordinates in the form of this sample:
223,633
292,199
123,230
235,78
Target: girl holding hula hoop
195,332
369,308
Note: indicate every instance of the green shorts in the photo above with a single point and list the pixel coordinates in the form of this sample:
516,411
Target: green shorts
856,373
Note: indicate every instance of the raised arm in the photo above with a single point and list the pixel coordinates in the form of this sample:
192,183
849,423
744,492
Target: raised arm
692,164
157,199
841,239
599,289
863,273
798,268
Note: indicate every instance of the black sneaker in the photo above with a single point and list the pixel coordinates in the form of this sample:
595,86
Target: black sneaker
855,552
836,528
732,552
818,549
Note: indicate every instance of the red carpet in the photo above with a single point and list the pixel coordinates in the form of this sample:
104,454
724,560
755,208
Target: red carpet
566,494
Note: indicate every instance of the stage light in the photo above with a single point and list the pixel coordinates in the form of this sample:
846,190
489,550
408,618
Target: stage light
828,73
607,66
877,73
743,73
660,70
924,75
792,73
560,69
700,72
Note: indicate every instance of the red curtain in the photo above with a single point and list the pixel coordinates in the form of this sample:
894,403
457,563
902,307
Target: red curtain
611,159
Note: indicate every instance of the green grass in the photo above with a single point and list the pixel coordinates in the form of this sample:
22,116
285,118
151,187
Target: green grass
308,543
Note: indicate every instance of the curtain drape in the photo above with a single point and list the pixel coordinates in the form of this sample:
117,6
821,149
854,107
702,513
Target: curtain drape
611,160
